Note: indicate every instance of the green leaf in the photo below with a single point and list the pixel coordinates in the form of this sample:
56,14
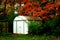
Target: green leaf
51,22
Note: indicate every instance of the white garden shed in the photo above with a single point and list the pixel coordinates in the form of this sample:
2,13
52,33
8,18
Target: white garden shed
20,25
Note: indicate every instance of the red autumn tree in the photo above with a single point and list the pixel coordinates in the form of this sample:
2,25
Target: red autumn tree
38,8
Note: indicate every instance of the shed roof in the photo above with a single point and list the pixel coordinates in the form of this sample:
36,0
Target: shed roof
20,18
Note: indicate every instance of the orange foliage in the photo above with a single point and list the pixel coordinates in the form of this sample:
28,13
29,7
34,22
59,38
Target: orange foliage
35,8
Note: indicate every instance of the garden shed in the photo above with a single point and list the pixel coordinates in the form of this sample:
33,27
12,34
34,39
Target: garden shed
20,25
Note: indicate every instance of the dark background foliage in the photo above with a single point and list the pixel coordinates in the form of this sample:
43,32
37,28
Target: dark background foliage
50,27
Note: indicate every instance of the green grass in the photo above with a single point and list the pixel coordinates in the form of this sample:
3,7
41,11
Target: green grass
26,37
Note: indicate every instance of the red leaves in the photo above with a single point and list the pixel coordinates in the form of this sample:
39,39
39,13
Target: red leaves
44,1
34,8
24,1
57,4
50,6
45,17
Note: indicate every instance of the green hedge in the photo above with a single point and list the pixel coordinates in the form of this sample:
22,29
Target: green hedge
34,27
50,27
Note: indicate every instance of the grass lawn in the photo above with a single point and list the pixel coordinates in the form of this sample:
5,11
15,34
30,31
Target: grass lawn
26,37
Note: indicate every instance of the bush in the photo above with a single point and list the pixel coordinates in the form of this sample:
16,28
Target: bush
49,27
56,30
10,19
12,16
35,27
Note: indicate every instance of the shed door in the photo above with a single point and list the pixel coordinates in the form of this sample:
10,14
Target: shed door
19,27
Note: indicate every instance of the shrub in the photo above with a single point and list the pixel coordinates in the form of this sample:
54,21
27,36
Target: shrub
39,28
10,19
35,27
